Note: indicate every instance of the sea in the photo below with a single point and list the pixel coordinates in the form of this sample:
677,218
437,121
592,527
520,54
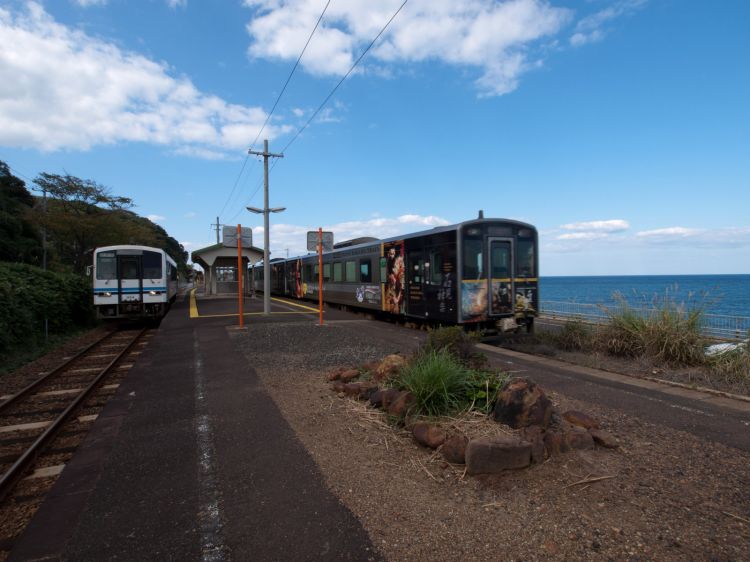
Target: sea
717,294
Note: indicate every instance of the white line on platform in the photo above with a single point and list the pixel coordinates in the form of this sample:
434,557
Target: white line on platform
84,419
46,472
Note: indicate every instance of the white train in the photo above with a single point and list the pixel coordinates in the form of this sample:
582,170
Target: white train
133,282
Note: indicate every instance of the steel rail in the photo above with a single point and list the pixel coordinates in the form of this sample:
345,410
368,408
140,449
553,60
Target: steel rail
9,478
26,390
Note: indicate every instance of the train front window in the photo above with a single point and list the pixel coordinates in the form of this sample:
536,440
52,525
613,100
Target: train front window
129,267
500,259
525,258
473,260
106,266
151,265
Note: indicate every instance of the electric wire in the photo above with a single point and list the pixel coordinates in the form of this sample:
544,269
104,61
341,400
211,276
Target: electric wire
328,97
276,103
336,87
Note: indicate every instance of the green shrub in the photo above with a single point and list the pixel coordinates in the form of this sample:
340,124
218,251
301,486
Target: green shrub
669,333
733,366
459,343
27,295
574,336
442,385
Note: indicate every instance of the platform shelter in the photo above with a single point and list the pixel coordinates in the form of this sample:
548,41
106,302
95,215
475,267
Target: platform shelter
219,262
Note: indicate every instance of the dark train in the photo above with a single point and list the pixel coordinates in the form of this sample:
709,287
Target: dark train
482,272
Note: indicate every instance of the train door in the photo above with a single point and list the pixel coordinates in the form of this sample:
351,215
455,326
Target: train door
501,276
415,283
129,278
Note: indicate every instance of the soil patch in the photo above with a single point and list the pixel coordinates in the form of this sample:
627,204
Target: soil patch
671,495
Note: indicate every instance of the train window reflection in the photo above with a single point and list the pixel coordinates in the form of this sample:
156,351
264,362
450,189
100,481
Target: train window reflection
351,268
151,265
525,251
106,266
337,272
472,259
364,271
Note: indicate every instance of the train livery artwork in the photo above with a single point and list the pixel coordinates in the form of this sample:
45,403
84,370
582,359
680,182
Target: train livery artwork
482,272
133,282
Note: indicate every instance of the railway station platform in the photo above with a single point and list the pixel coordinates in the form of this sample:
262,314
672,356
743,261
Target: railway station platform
193,426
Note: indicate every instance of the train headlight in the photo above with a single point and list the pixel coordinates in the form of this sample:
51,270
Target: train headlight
154,293
106,294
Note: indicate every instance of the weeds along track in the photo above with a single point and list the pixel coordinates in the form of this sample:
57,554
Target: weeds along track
42,425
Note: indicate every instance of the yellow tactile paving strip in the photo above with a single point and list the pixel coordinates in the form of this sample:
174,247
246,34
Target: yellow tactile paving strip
195,314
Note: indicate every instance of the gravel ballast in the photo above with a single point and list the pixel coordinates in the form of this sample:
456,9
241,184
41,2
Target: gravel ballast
670,495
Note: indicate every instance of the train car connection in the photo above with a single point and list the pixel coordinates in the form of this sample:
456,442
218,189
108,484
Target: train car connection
133,282
482,272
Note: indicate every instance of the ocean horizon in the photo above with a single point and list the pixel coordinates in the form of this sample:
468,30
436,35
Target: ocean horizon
726,294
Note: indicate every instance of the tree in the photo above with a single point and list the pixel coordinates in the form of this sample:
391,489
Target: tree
20,239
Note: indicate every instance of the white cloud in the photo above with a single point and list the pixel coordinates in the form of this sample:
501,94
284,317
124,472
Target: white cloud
62,89
177,3
298,112
614,225
582,236
87,3
156,218
591,29
495,38
672,232
294,237
190,215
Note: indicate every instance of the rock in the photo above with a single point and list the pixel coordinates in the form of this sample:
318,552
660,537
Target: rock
428,435
349,375
521,403
382,398
580,419
335,374
604,438
389,366
496,454
401,404
338,386
555,442
578,438
366,390
352,388
369,367
454,449
534,435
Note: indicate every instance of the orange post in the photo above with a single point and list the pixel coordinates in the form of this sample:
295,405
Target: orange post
320,274
240,275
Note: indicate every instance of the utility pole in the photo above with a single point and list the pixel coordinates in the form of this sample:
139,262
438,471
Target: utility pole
265,211
216,226
44,259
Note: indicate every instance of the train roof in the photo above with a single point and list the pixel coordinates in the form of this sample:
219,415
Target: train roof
435,230
134,247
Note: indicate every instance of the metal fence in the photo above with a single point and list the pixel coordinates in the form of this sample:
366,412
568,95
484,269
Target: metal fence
713,325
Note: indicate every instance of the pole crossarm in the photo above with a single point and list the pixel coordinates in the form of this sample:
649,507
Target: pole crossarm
265,153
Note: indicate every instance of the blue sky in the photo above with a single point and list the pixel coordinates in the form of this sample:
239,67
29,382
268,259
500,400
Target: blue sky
620,128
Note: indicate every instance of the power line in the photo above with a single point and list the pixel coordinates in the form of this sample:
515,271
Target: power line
278,98
330,95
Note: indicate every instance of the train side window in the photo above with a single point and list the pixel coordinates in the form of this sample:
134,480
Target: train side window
326,272
173,273
365,275
351,268
337,270
383,265
436,268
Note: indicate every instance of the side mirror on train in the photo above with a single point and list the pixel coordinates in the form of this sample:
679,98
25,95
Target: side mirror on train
88,270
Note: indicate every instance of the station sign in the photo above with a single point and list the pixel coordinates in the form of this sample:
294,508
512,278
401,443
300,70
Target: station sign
312,241
229,236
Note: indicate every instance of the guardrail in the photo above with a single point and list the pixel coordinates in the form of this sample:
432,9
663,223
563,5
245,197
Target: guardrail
714,325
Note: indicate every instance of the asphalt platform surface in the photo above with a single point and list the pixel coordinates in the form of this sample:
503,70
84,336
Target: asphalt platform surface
193,461
192,428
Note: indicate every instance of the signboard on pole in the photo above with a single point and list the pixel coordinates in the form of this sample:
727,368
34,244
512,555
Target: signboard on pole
229,236
312,241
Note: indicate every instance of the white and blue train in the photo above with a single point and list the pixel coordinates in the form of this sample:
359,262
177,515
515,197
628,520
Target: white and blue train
133,282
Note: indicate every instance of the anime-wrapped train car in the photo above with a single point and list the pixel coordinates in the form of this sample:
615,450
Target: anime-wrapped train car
482,272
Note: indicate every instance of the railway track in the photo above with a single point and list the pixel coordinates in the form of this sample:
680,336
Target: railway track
42,424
